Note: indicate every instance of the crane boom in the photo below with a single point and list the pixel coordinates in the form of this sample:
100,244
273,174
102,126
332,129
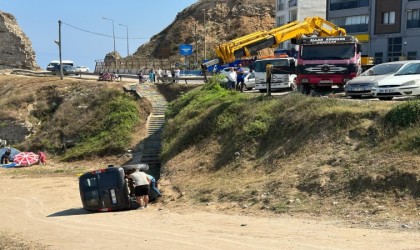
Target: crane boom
250,44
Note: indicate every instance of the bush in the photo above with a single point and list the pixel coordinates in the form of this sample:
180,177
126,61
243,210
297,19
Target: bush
404,115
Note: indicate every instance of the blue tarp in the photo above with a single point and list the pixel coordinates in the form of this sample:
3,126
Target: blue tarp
14,152
11,165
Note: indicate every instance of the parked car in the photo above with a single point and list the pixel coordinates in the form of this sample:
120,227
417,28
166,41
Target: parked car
405,82
362,85
67,70
82,69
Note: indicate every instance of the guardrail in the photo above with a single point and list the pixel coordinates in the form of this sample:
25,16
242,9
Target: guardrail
181,78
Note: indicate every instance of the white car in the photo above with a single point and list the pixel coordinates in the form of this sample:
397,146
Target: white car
362,85
82,69
405,82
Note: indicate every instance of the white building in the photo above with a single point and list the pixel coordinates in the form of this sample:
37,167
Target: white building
292,10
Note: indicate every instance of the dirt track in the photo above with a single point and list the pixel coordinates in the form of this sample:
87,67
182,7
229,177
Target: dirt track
48,211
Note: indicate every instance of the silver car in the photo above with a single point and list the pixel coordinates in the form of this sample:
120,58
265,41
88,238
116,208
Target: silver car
362,85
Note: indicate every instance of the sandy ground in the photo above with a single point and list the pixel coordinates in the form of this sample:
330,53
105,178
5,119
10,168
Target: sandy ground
48,211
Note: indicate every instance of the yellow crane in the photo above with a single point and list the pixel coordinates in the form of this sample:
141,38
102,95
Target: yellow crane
249,45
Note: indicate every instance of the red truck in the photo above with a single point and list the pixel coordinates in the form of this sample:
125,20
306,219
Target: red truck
327,61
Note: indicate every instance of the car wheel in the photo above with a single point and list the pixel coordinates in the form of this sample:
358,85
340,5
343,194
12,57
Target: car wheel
388,98
263,90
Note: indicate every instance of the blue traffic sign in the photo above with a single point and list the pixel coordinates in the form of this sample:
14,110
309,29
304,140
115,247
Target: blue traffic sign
185,49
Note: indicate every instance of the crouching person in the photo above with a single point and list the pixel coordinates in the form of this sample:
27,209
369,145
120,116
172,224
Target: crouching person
153,185
141,187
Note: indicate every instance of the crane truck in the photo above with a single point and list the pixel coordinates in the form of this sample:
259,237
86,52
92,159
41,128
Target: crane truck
340,58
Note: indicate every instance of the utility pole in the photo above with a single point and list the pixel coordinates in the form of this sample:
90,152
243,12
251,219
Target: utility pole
205,34
196,45
59,49
113,30
126,26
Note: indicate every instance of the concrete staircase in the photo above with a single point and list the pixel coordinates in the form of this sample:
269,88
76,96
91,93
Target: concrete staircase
151,147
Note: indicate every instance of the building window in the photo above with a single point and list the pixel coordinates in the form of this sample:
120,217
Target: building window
388,17
292,3
293,15
413,18
379,57
280,4
280,21
347,4
394,48
412,55
353,24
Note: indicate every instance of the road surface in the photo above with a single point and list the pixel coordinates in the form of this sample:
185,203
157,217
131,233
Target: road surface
48,211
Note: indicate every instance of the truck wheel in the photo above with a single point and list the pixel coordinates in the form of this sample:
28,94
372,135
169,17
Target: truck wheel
305,89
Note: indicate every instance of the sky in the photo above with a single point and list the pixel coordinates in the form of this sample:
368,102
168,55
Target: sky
85,35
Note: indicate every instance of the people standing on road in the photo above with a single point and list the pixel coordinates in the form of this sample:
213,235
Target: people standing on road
231,76
177,73
159,73
141,187
153,185
152,75
240,81
173,74
5,158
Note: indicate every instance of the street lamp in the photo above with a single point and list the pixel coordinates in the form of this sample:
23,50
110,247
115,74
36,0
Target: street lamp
113,32
205,33
126,26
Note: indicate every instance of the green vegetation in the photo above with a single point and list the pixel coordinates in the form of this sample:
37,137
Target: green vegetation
291,153
95,123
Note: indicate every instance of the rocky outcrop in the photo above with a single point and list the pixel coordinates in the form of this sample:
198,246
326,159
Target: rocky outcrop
15,47
224,20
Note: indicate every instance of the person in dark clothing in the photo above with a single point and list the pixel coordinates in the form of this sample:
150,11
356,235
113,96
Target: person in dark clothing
5,158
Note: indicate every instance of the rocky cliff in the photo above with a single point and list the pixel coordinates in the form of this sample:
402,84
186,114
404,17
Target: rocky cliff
15,47
224,20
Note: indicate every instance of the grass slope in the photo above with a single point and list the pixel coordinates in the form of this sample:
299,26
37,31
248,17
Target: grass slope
294,153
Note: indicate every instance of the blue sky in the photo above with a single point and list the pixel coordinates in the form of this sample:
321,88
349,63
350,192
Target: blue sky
39,20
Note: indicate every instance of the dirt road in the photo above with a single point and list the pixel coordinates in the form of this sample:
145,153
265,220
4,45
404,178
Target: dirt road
48,211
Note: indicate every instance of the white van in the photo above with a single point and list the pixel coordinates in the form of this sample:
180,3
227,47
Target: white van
278,80
53,63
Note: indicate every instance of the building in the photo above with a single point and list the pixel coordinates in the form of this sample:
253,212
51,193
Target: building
292,10
388,29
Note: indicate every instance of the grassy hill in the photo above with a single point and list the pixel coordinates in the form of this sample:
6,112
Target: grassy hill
233,152
294,153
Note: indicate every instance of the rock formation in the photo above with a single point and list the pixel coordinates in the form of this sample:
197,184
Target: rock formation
224,21
15,47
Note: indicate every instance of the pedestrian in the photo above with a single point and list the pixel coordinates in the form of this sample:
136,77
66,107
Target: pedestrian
152,75
231,76
173,74
153,185
177,73
240,81
42,158
141,78
159,73
141,187
5,158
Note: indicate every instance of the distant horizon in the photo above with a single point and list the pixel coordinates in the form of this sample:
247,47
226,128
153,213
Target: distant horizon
88,26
